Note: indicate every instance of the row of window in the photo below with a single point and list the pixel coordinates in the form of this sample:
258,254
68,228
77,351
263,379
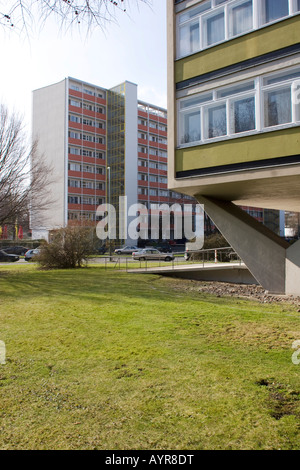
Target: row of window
154,165
87,91
152,124
90,216
152,151
152,138
99,170
86,184
86,121
86,153
86,106
87,137
256,105
215,21
153,178
153,192
95,201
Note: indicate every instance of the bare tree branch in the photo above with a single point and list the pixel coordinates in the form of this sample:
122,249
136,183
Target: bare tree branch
23,184
22,14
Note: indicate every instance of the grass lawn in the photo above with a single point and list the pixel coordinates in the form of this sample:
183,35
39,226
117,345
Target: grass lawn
101,359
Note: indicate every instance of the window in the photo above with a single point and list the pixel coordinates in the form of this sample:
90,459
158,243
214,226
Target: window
273,10
216,121
251,106
191,132
240,18
243,115
214,28
278,109
74,167
215,21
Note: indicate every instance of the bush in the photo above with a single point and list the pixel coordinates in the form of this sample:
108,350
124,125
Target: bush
69,248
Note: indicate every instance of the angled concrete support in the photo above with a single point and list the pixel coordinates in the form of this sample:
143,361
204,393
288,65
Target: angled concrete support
263,252
293,269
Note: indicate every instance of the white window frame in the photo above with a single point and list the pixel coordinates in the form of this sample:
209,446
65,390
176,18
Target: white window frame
257,21
258,93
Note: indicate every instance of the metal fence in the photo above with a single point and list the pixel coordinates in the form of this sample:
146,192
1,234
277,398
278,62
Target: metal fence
202,258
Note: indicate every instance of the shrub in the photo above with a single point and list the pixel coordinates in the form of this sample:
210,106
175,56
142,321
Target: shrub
69,248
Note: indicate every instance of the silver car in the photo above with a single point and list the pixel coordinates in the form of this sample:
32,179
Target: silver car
127,250
152,254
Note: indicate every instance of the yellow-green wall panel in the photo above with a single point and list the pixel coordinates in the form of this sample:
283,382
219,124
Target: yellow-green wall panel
264,146
262,41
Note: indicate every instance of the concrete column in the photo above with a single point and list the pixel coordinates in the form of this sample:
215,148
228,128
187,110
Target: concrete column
293,269
263,252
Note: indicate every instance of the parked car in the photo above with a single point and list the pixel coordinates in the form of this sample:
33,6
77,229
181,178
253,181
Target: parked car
102,250
7,257
126,250
16,250
30,254
151,254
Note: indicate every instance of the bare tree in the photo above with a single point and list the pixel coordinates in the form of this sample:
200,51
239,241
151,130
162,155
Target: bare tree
23,13
23,184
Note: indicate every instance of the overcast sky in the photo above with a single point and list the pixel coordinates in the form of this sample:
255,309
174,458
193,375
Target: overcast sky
134,50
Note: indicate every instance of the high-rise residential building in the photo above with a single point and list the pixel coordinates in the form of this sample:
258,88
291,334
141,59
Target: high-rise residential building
101,144
233,122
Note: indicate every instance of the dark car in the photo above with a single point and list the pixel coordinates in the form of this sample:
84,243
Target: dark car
102,250
9,258
16,250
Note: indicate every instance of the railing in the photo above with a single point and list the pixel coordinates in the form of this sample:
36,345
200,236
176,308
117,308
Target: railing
202,258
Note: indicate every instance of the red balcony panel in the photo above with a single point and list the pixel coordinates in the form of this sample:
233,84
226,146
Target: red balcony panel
142,197
155,171
143,169
142,114
143,155
75,125
101,101
143,141
142,128
76,93
101,116
158,132
75,141
142,183
74,191
75,109
94,130
74,158
88,97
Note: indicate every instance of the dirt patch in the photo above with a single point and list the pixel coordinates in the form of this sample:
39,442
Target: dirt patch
282,401
252,292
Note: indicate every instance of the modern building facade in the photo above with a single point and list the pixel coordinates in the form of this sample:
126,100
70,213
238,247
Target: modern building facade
101,144
233,120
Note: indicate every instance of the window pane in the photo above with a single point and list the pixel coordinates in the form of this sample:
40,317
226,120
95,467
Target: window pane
281,77
244,115
233,90
191,131
196,100
274,9
241,18
189,38
278,109
215,29
217,121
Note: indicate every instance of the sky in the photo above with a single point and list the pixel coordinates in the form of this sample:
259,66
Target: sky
133,49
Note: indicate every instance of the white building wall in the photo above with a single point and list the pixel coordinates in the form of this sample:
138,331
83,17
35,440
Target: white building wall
49,128
131,149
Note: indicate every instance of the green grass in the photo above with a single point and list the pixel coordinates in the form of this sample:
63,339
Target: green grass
101,359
